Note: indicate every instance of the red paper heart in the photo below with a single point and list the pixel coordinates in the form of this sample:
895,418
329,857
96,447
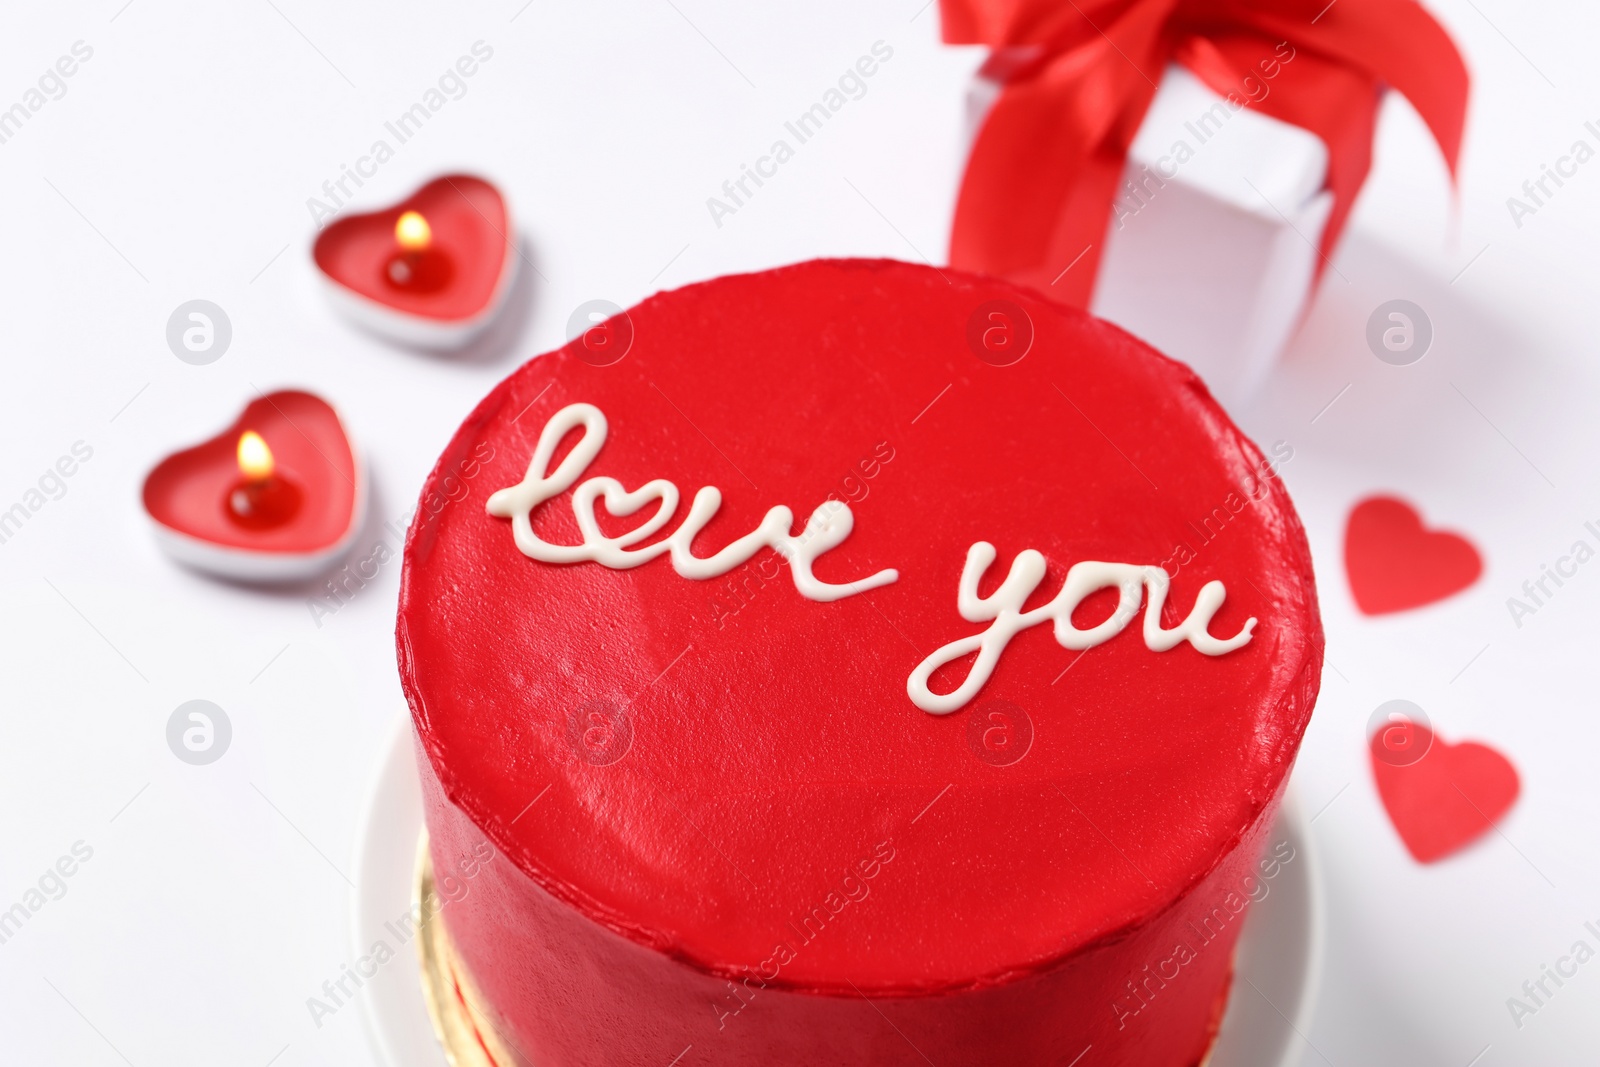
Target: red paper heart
187,493
1448,798
470,224
1394,563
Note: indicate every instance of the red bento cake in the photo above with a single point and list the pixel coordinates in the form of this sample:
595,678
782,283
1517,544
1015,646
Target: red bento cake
947,727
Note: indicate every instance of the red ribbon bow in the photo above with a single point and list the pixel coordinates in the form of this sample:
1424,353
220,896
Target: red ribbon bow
1079,75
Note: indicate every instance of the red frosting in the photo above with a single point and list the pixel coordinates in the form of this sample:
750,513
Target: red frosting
696,781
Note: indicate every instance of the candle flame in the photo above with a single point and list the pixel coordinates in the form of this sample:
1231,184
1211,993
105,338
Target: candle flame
412,231
255,458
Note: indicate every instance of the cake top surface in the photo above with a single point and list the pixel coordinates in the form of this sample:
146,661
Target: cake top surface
930,689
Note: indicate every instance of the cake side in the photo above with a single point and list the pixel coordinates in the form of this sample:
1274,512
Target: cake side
560,990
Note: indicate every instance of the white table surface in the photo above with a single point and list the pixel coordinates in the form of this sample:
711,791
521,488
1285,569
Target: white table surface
177,165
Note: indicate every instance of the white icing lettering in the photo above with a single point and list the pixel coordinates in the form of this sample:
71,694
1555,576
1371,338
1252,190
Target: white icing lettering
1002,609
827,527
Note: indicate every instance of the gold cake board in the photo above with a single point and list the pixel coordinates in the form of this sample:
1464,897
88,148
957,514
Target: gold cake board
468,1037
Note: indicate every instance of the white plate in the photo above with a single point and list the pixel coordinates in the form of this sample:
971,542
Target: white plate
1280,951
1279,957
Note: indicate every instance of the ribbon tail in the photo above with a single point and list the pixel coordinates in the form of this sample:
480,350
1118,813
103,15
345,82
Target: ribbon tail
1036,197
1023,164
1403,47
1037,187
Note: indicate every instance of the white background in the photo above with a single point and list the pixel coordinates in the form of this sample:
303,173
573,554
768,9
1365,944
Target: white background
178,165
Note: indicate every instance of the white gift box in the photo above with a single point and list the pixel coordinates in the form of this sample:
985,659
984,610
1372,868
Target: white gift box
1213,242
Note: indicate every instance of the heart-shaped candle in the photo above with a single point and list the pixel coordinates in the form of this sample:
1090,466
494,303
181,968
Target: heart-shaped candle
432,270
278,496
